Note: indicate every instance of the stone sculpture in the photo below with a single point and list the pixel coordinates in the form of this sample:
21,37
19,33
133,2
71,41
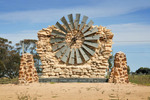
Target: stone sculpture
119,73
74,50
27,71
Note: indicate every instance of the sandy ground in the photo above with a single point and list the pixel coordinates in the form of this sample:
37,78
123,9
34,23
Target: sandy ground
75,91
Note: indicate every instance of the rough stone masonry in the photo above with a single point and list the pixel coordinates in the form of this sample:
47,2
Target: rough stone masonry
27,71
119,73
93,68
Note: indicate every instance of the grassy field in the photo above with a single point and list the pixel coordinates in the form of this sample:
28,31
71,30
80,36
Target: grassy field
8,81
140,79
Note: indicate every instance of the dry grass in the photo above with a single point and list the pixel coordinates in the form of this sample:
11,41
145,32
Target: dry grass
140,79
8,81
25,96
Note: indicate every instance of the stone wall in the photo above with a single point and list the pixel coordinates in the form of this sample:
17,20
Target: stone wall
93,68
27,71
119,73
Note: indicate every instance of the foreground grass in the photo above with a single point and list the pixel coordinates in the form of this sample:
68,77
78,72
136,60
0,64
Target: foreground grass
25,96
140,79
8,81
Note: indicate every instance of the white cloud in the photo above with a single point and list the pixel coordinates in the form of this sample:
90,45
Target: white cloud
100,9
16,37
122,32
138,33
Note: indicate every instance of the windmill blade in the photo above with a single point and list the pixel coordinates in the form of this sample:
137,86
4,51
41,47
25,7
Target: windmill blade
91,44
88,26
56,39
84,54
56,33
61,51
63,19
57,46
71,59
66,55
70,17
88,49
95,37
64,49
58,25
76,22
83,22
78,57
91,31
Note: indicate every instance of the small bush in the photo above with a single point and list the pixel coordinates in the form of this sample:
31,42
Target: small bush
25,96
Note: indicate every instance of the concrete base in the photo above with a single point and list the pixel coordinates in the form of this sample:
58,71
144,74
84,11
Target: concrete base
71,80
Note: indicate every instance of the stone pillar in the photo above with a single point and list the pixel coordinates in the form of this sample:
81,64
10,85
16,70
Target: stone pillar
119,73
27,71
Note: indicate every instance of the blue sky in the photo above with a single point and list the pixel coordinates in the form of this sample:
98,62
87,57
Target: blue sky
128,19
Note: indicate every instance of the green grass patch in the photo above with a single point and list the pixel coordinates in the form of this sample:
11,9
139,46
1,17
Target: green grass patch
140,79
55,96
8,81
52,82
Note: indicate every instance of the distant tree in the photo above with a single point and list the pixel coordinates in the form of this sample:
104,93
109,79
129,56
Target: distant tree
111,61
128,69
9,59
2,69
143,70
30,47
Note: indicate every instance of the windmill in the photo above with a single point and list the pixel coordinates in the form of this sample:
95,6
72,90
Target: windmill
74,42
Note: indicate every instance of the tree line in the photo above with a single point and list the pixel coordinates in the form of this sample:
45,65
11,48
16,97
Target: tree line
143,70
10,56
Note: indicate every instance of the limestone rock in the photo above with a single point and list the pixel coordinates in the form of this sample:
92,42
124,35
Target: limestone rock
27,71
57,70
53,68
119,73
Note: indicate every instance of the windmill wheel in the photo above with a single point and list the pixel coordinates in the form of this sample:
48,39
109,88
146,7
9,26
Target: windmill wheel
74,43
